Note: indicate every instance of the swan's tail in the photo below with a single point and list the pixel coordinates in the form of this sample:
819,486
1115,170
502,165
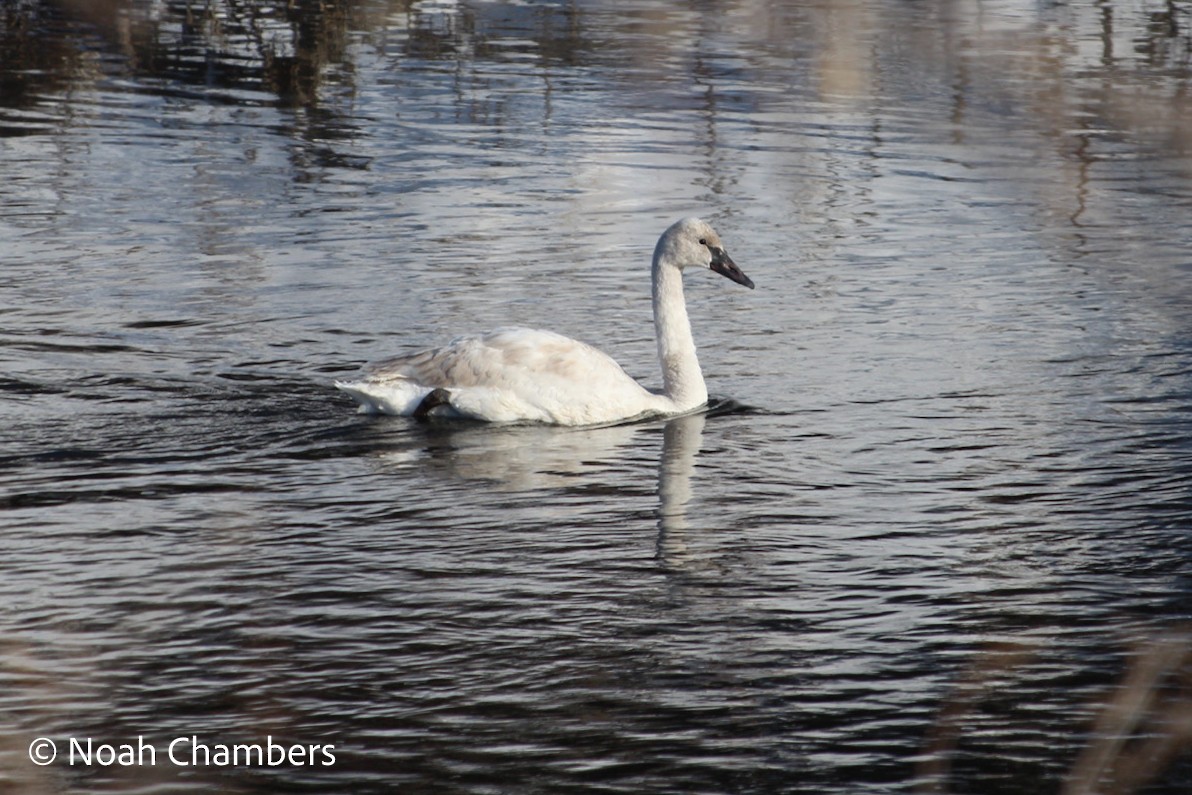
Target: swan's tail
398,397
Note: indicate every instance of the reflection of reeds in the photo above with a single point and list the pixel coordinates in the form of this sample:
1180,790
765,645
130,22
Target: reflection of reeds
1140,728
1079,85
281,46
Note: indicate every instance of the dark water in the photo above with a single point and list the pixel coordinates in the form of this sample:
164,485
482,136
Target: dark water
941,512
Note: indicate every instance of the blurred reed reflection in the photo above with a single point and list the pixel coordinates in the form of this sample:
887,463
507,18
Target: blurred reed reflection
300,53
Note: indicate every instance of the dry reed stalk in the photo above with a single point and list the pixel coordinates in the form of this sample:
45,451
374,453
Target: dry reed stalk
1141,727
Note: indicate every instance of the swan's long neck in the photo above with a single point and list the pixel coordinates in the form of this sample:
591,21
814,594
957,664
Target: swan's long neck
682,380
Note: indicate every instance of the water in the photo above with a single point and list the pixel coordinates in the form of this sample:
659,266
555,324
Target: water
940,509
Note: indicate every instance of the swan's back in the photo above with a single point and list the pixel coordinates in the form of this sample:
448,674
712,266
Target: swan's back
511,374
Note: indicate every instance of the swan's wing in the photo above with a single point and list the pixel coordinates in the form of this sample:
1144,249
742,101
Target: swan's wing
502,359
515,374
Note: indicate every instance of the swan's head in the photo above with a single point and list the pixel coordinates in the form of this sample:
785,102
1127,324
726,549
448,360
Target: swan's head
694,243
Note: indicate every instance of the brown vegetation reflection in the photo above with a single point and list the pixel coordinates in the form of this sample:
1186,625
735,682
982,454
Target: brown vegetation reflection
277,46
284,47
1111,67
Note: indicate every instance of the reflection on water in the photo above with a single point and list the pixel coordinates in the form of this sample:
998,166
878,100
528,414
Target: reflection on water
676,465
519,459
944,548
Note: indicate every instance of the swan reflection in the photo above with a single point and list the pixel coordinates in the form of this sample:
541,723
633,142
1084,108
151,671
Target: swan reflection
537,458
681,441
518,458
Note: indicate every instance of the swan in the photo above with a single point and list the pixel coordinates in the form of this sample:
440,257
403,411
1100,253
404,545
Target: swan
526,375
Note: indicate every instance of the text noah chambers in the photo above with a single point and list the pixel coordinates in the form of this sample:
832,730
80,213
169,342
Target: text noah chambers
191,752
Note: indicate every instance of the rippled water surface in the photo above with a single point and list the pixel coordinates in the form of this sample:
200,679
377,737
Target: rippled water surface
938,520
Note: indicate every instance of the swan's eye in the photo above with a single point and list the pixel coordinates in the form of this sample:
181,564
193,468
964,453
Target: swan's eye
703,241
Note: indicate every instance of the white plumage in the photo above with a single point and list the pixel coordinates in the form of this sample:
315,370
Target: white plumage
526,375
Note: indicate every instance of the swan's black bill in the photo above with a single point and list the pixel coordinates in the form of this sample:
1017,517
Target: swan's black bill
723,264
